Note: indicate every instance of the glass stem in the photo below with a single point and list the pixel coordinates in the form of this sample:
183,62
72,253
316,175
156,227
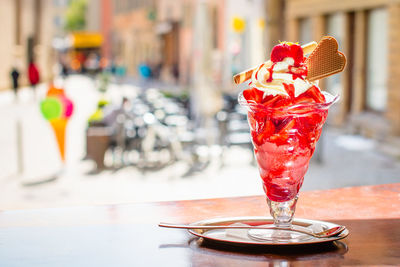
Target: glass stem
282,212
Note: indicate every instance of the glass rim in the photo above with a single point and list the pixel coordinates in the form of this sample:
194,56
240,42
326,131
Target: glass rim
330,100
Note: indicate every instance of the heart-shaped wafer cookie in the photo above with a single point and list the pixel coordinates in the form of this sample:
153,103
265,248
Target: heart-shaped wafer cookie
325,60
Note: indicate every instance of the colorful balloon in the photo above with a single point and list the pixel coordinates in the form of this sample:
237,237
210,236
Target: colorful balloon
51,108
57,108
54,91
68,107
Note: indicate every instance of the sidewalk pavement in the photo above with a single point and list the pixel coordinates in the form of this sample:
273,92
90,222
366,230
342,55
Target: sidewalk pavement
348,161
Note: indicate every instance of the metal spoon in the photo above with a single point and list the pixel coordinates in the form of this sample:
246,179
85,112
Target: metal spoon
334,231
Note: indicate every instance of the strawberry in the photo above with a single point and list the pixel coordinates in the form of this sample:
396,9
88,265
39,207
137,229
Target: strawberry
296,52
283,134
303,98
256,121
286,49
279,52
312,95
283,101
259,138
289,125
252,121
298,71
315,94
269,128
270,100
253,94
289,88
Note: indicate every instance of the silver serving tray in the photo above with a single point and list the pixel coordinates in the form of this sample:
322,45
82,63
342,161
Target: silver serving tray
241,238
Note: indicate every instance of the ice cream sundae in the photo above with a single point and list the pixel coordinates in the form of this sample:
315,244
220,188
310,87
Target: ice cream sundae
286,112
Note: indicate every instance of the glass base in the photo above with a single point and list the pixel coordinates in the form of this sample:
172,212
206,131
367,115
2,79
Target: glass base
282,212
278,236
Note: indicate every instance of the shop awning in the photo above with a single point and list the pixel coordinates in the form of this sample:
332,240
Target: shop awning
86,40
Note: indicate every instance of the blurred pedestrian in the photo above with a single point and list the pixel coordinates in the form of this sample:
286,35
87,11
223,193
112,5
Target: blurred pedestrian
156,70
120,73
92,64
175,72
144,71
64,70
15,77
33,75
113,67
118,70
145,75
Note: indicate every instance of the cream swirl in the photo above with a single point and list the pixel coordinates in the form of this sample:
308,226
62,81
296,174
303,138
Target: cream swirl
281,73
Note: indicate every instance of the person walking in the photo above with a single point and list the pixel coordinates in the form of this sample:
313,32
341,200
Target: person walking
33,75
14,79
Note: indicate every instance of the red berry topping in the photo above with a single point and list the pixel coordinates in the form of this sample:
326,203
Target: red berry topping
253,94
289,88
296,52
299,71
279,52
315,94
269,100
260,136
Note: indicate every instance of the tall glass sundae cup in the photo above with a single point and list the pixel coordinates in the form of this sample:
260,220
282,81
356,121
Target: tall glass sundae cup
285,128
284,140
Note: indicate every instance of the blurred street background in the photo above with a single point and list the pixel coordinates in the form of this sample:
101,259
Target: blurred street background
155,114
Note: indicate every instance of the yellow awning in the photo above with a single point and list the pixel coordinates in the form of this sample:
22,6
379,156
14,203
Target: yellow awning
86,40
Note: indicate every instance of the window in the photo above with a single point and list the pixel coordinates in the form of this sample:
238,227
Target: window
215,29
377,53
335,27
305,30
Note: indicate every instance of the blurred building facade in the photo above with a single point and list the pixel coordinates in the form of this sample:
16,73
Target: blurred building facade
134,40
27,31
198,44
178,39
58,10
245,36
99,17
163,33
368,33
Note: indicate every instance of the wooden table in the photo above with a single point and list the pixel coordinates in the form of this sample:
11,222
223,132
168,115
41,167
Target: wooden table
127,235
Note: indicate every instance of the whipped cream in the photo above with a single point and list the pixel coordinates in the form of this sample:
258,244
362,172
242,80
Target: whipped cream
283,66
280,74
